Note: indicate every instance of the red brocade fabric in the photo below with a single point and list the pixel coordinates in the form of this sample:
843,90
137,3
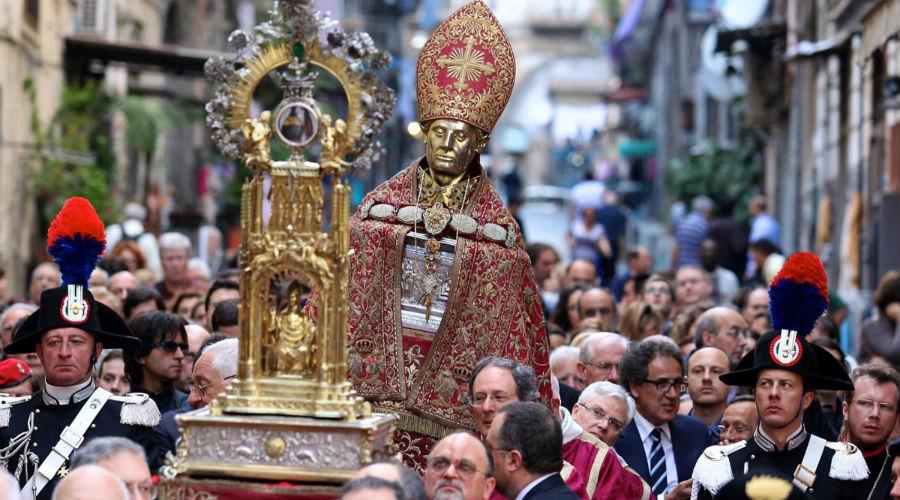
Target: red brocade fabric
493,309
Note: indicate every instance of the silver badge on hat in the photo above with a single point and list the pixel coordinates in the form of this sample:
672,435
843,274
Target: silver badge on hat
74,308
786,349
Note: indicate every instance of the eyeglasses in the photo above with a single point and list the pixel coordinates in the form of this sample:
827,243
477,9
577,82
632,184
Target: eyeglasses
144,489
465,469
171,346
604,419
604,367
664,385
498,397
596,311
737,428
201,389
657,290
737,333
869,405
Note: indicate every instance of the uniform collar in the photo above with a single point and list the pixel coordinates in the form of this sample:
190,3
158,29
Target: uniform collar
59,396
766,443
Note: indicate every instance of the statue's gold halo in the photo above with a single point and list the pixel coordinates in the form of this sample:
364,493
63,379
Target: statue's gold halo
274,56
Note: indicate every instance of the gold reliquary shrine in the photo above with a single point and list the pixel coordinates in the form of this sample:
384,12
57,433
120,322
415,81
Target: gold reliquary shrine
291,414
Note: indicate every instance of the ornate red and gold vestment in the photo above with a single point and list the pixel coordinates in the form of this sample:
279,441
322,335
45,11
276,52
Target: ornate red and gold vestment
492,308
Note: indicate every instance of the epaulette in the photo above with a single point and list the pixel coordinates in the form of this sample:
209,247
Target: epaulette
138,409
713,470
6,404
848,463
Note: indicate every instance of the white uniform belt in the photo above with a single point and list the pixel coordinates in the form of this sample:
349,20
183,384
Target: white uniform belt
805,474
69,440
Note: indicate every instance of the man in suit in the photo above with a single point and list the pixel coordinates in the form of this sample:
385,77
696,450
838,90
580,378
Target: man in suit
659,444
525,441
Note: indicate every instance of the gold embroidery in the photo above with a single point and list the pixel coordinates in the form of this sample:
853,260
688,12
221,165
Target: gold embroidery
466,65
471,83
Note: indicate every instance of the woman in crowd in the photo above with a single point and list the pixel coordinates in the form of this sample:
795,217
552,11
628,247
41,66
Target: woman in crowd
881,334
111,372
587,239
639,321
131,255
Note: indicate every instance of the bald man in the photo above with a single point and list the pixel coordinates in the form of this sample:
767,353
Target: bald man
724,328
90,482
409,480
581,272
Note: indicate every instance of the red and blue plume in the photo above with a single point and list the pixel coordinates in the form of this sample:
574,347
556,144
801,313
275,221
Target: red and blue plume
798,295
76,239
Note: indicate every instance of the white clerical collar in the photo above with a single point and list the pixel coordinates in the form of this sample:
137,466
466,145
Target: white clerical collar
531,485
570,428
56,395
644,427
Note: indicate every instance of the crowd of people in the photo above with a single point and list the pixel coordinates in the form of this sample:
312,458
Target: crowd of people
635,370
184,327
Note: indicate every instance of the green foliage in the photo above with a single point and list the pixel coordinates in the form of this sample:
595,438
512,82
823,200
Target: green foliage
146,120
727,175
73,156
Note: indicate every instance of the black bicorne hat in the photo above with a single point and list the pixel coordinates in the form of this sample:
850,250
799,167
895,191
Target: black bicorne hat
76,239
798,297
820,370
55,312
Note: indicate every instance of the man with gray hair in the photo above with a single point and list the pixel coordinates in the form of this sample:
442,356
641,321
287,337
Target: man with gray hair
498,382
600,356
215,367
174,253
564,364
661,445
603,410
724,328
44,277
690,232
90,482
124,459
10,317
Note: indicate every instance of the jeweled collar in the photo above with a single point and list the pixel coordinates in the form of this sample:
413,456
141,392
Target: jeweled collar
60,396
453,196
766,443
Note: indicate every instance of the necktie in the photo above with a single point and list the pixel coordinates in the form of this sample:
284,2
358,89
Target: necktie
657,462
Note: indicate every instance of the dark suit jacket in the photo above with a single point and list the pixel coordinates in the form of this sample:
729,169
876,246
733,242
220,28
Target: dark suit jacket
690,437
568,396
552,488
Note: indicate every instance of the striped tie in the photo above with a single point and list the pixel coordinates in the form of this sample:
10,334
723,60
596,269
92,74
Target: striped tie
657,462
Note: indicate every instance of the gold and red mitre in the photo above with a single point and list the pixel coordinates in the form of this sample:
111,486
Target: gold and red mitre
466,69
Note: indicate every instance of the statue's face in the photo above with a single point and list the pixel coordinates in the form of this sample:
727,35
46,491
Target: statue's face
450,146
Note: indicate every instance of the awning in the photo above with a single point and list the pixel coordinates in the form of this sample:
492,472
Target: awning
759,36
636,148
82,50
880,24
805,49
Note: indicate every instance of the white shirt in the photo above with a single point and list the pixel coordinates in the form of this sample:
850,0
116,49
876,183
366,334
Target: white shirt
531,485
644,429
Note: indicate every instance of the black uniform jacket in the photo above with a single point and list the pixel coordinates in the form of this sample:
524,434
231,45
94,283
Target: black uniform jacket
878,486
759,455
51,419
